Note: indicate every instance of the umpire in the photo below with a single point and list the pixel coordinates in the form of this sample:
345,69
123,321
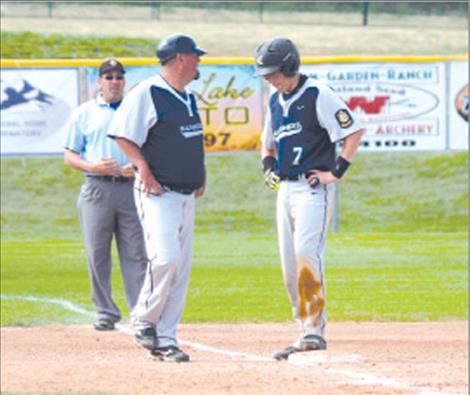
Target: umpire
106,203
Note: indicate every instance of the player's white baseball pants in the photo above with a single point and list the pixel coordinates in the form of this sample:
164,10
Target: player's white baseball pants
302,216
168,223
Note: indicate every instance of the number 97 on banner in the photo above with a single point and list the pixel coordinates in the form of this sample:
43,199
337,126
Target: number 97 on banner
212,139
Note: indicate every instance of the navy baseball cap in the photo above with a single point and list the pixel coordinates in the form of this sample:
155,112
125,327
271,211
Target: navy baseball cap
170,46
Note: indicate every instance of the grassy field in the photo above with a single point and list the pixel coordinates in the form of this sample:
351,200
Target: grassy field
236,278
400,253
396,192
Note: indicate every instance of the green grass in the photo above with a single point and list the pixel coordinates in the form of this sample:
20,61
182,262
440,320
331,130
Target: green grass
401,253
422,192
28,45
236,278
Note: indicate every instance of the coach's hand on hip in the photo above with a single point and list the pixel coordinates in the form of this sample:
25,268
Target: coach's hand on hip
148,182
200,191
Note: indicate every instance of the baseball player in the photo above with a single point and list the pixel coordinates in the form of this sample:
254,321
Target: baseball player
304,120
106,201
159,128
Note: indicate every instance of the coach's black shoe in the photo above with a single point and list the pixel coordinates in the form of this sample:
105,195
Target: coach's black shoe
147,338
169,354
104,324
311,343
284,354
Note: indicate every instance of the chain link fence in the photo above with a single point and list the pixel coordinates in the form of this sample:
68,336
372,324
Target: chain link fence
341,13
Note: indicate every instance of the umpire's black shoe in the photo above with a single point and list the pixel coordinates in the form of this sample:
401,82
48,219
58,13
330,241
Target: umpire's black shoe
104,324
147,338
169,354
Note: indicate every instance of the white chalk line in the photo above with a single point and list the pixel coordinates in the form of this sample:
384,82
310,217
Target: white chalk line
202,347
61,302
312,358
67,305
356,378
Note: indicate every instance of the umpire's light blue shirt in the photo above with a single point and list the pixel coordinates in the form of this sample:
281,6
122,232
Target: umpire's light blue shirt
88,129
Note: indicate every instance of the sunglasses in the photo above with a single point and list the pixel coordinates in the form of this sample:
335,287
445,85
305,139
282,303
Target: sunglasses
110,77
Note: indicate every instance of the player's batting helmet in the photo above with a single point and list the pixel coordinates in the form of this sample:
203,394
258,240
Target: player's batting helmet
170,46
277,54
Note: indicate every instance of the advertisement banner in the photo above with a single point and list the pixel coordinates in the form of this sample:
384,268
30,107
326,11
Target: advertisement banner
402,105
230,100
35,107
458,105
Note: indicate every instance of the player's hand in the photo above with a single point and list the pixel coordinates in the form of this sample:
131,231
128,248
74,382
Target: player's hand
128,171
272,180
148,182
106,166
317,177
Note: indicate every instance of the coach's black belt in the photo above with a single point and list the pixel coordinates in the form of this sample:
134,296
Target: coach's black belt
113,179
184,191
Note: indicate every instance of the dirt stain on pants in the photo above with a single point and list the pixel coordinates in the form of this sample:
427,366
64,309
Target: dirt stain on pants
311,296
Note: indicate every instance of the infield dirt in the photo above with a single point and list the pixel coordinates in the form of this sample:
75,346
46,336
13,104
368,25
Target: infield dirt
362,358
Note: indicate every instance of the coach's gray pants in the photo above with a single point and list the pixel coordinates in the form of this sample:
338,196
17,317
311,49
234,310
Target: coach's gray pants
107,209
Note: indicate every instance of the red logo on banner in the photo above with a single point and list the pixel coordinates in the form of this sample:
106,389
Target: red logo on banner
369,107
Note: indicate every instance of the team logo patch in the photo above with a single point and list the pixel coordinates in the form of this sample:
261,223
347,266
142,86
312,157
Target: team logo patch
344,118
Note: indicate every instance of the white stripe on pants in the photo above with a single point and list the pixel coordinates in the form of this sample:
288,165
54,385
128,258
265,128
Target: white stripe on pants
168,223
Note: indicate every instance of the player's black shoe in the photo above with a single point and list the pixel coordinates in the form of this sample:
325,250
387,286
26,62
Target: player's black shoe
284,354
169,354
147,338
311,343
307,343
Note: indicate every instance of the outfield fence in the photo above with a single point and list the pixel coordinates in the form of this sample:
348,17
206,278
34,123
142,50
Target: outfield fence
318,12
405,103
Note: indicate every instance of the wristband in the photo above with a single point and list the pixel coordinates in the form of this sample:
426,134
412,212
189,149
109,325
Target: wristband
340,168
268,163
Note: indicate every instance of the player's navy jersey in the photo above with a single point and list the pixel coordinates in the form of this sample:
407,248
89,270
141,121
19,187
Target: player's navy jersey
167,127
304,126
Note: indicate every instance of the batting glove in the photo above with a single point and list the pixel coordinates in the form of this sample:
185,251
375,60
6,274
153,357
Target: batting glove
272,180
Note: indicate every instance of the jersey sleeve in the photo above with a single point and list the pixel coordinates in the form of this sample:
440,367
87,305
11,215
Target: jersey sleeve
74,136
135,116
267,136
334,115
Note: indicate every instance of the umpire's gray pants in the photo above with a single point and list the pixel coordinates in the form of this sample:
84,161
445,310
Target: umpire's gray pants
107,209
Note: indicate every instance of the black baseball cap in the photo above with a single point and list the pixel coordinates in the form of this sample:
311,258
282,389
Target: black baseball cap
111,65
170,46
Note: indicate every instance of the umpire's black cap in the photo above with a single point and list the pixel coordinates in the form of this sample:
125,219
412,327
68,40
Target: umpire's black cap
111,65
170,46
